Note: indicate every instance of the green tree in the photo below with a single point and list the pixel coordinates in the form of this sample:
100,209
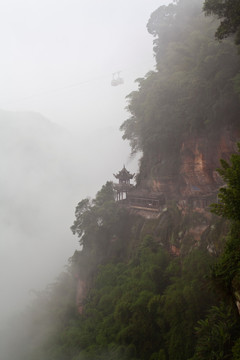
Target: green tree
95,216
216,334
228,11
229,196
102,228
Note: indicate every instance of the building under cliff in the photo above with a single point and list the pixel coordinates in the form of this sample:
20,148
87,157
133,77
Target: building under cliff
195,184
138,199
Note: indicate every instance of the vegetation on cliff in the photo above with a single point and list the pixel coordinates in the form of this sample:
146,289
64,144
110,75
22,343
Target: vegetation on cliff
147,304
191,92
219,333
229,13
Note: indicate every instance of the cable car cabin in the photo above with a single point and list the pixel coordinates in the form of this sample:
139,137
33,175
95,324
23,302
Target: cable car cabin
117,80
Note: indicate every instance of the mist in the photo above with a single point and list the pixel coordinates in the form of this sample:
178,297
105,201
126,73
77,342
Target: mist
46,171
60,118
58,58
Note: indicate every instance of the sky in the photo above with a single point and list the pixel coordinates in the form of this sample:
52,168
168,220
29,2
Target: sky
57,60
58,56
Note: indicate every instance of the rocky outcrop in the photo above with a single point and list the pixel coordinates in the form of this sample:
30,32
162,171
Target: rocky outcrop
81,292
183,221
198,159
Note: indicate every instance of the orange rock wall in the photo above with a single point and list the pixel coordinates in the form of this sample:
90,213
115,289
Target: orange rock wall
199,158
80,294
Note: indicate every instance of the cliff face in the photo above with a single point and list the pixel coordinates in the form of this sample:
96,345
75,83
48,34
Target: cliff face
189,182
195,175
200,159
81,292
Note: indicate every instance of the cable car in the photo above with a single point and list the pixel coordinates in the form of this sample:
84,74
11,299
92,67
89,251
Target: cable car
116,79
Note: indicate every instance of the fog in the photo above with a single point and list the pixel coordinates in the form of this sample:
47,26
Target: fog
59,124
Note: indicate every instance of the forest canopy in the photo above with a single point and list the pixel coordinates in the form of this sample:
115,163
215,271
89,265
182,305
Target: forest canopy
192,89
228,11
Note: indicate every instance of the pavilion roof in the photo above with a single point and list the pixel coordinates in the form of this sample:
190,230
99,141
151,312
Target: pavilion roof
124,174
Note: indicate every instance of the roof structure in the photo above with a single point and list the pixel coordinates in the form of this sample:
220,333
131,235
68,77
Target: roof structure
124,175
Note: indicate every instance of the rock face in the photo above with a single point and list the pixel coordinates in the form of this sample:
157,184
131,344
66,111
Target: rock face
189,181
199,158
81,292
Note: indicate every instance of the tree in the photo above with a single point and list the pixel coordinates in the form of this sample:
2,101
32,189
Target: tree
96,214
83,208
227,269
229,196
225,273
215,334
228,11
